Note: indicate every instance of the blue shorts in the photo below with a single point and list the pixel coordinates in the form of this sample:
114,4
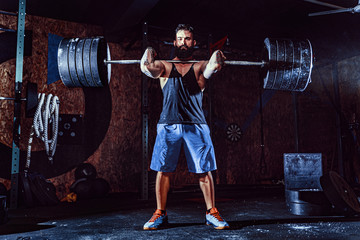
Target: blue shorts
198,148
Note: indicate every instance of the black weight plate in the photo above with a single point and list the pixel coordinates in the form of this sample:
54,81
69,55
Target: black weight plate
44,191
293,73
271,75
288,66
79,63
86,62
308,209
31,99
72,63
305,51
340,194
83,188
313,196
296,66
85,170
103,53
100,187
280,63
25,190
108,57
73,185
94,61
63,63
63,67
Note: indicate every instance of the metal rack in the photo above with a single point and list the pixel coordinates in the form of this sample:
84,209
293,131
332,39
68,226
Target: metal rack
145,125
17,100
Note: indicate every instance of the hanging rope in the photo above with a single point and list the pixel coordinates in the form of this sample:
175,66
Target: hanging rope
46,120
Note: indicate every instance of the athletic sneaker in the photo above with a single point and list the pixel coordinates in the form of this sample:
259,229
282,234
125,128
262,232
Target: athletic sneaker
158,220
213,218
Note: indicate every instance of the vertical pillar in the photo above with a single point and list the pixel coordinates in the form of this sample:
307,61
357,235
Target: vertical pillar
296,120
263,167
17,105
145,125
338,119
210,88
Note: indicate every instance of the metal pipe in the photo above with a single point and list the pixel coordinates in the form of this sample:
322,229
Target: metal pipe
7,30
9,98
8,13
331,12
324,4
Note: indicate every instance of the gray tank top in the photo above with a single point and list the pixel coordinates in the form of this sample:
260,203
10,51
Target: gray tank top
182,102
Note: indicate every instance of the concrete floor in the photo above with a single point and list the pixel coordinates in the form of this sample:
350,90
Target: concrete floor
253,213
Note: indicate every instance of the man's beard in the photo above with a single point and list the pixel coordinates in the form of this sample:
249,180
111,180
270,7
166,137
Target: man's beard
184,53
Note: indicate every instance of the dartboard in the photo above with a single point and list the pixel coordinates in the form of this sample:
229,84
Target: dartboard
233,132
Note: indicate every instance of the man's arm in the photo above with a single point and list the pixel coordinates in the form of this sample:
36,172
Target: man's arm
149,66
213,65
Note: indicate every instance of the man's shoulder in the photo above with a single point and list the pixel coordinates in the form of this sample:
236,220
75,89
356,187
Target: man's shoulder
165,62
168,68
200,65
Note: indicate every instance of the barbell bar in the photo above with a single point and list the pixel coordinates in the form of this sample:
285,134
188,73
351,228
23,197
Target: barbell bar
243,63
286,64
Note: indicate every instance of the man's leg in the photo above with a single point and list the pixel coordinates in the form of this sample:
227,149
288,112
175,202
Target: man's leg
207,187
162,187
164,160
159,218
212,214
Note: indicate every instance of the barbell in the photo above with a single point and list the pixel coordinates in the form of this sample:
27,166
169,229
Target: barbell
286,64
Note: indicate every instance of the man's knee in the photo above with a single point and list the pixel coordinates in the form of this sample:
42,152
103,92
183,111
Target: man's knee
165,174
203,177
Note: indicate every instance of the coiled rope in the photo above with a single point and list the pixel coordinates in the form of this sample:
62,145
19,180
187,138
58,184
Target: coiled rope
46,120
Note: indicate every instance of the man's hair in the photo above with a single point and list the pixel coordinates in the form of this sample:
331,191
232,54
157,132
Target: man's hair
184,27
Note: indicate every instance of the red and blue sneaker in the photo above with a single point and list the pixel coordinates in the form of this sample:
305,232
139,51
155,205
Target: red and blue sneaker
158,220
213,218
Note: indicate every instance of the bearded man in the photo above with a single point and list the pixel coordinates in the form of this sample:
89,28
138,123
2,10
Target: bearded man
182,124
